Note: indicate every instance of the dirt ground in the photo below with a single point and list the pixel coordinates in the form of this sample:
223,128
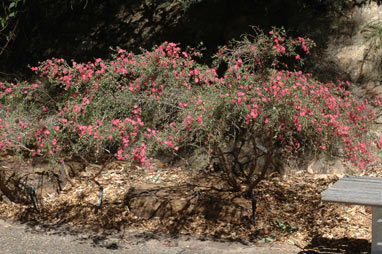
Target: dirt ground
18,238
171,200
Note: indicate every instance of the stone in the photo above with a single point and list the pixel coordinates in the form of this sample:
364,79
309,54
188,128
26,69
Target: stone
348,49
324,164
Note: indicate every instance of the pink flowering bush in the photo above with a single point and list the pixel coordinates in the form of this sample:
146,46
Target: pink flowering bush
135,105
97,109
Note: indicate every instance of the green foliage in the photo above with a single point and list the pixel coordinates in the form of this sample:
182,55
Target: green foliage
8,22
372,33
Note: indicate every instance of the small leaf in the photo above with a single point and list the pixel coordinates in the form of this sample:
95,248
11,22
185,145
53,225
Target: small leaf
281,224
12,14
12,5
267,239
292,228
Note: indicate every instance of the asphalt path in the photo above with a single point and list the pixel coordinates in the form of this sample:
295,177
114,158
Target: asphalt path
17,238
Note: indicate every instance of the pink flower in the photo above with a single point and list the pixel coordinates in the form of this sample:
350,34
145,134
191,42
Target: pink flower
77,109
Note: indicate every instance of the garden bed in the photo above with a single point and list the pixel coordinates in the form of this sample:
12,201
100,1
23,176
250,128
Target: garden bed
172,200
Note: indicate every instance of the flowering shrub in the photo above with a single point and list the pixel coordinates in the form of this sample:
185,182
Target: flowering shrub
137,104
94,109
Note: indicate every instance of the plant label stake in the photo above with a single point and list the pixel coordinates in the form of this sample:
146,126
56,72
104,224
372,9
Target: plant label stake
99,202
62,175
254,201
32,195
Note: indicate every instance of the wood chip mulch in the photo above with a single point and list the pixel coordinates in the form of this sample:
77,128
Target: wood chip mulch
173,200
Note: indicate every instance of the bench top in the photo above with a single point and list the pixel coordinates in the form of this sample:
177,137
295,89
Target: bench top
357,190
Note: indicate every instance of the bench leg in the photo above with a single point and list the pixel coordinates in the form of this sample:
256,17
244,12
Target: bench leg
376,242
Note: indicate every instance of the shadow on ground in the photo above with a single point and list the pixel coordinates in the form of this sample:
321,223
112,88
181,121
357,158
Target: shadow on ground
343,245
123,239
171,209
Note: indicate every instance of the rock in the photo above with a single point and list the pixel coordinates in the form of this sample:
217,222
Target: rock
348,49
350,58
74,168
323,164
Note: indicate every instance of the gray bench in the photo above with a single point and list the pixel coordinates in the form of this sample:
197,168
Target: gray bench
361,190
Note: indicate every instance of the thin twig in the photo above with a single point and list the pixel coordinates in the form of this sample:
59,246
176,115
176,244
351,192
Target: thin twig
230,178
12,34
266,164
6,25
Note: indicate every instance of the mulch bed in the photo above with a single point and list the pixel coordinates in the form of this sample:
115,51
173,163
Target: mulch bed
177,201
